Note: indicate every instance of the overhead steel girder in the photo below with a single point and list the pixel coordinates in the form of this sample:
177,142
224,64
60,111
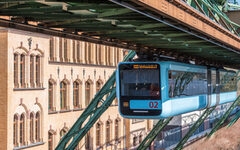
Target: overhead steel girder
91,114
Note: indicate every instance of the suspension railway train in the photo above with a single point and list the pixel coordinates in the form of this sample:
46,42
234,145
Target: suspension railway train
153,90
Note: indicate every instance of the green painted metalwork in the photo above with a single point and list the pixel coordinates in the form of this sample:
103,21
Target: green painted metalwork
154,132
214,10
234,120
110,21
92,113
195,126
224,117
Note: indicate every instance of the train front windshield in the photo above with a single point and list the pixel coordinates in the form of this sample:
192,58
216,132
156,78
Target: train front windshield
139,84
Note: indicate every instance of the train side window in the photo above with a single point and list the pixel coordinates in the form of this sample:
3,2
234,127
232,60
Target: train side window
183,83
228,81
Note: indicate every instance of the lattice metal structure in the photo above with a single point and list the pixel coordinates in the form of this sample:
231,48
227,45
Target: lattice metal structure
224,117
153,134
195,126
92,113
213,9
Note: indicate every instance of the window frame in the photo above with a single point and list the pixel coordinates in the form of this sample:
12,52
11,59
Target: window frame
50,95
22,70
22,130
87,93
63,95
15,130
31,127
38,71
98,134
108,132
76,94
15,70
37,127
50,141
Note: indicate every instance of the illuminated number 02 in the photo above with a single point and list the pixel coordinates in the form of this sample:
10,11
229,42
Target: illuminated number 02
153,104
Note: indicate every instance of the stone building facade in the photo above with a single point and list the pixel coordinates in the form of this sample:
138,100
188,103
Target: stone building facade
47,82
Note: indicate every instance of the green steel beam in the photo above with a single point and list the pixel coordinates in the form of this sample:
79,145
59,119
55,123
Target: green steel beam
224,117
234,120
92,113
153,134
115,12
195,126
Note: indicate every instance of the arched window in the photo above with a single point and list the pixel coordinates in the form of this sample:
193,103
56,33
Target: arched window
135,141
22,70
37,127
78,51
62,133
65,50
38,71
116,129
31,127
87,141
15,130
31,70
50,96
50,141
22,130
98,134
140,138
63,95
108,132
15,70
51,49
98,86
76,90
87,93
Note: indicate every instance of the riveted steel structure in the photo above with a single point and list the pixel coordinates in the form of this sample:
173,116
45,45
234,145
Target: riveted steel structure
191,29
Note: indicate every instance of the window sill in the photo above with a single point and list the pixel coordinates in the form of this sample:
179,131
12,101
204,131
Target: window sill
28,146
77,109
66,110
52,112
27,89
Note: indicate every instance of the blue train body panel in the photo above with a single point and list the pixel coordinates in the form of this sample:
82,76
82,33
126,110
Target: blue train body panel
170,105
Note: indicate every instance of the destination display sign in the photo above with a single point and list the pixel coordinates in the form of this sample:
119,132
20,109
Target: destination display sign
145,66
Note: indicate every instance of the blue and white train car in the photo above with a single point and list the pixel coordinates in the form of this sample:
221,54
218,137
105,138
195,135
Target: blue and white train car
153,90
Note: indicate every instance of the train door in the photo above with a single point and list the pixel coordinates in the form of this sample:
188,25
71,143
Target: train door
213,91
